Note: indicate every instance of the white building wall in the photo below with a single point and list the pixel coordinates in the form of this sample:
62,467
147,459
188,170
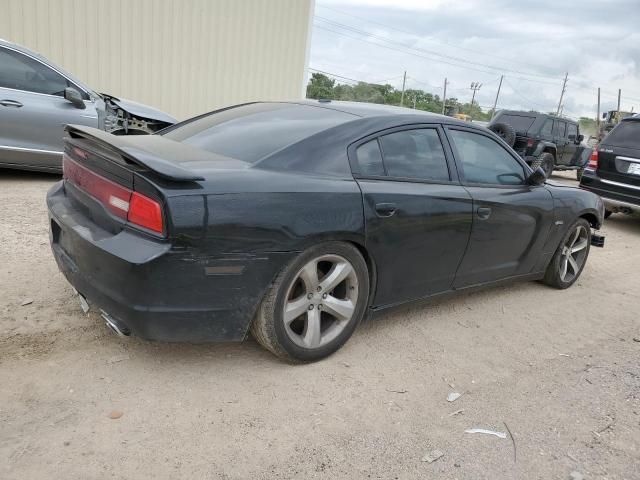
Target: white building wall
183,56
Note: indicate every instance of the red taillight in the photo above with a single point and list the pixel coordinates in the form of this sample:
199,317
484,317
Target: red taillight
145,212
593,160
530,143
122,202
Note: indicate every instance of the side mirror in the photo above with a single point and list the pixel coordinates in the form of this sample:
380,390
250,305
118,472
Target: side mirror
72,95
580,139
537,177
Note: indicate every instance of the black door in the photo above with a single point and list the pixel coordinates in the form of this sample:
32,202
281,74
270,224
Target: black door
569,156
511,220
418,217
560,139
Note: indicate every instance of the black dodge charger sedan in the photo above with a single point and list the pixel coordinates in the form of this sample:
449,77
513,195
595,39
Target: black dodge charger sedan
293,220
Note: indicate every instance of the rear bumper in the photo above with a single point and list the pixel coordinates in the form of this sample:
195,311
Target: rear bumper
155,290
617,196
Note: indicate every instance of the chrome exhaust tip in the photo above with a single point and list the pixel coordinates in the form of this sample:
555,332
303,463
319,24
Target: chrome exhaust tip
116,327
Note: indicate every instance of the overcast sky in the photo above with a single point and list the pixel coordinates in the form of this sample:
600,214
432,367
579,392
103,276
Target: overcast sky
533,43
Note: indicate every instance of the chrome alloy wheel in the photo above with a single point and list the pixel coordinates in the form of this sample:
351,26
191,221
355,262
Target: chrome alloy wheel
574,253
320,301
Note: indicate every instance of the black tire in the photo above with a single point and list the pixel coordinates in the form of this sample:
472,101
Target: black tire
546,161
268,327
553,274
505,131
579,173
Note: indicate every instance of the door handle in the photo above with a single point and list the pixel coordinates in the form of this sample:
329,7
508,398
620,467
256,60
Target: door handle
10,103
483,212
386,209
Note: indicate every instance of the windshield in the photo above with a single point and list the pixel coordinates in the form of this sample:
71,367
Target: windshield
253,132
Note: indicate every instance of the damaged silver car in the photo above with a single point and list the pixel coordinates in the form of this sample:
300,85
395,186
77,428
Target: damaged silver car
37,99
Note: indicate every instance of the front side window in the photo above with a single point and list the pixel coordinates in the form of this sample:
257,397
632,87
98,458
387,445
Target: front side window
572,130
19,72
415,154
485,161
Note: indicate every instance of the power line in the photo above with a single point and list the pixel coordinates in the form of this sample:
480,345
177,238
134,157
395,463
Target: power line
424,53
415,35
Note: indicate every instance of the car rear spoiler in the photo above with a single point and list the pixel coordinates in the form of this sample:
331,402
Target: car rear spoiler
152,152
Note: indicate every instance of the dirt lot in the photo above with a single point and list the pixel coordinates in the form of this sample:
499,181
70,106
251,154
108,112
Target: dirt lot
561,369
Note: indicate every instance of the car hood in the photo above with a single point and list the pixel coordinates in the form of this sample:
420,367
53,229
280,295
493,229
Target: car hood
140,110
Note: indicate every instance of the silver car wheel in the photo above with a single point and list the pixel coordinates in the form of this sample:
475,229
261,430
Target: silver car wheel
320,301
574,254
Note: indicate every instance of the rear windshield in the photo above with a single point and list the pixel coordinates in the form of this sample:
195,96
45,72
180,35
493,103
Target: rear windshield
625,134
520,123
253,132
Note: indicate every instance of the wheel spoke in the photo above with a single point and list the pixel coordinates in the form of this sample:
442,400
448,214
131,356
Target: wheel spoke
295,308
574,264
336,275
563,268
579,246
575,236
311,336
341,309
309,275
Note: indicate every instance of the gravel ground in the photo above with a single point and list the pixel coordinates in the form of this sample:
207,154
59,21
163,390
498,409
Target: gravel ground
557,371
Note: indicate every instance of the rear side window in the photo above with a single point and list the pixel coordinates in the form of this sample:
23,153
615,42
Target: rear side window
369,159
520,123
20,72
415,154
561,129
255,131
547,128
625,134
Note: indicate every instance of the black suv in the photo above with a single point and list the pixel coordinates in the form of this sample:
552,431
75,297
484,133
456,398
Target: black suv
614,168
543,140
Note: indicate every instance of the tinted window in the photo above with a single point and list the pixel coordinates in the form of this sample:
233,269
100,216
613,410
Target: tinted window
572,130
370,159
415,154
252,132
547,128
520,123
625,134
485,161
561,128
20,72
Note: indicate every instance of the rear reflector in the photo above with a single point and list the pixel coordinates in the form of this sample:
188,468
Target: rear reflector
593,160
530,142
133,207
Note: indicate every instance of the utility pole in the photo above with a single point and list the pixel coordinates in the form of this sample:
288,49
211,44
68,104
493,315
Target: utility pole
404,81
444,96
495,104
598,117
475,86
619,95
564,88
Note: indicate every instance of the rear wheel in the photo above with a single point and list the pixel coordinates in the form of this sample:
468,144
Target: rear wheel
570,258
314,304
546,161
579,173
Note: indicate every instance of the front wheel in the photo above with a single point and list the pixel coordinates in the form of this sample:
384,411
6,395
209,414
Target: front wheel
570,258
314,305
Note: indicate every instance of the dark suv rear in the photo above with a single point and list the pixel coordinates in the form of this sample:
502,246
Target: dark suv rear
614,169
543,140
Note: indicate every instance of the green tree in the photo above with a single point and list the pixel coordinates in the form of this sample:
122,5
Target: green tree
320,86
